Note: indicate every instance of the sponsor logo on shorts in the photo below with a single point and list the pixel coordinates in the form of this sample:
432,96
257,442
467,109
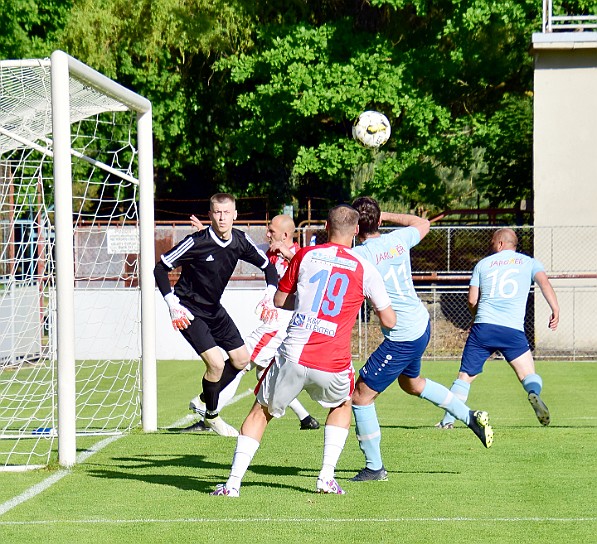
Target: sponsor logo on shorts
314,324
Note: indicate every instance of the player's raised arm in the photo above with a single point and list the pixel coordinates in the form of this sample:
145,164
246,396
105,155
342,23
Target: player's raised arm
408,220
196,222
282,249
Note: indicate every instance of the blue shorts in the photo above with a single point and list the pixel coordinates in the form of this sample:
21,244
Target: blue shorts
391,359
485,339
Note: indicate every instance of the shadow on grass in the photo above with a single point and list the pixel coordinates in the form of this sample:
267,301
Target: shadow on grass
173,471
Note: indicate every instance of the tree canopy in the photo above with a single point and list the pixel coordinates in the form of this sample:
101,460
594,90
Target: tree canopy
258,97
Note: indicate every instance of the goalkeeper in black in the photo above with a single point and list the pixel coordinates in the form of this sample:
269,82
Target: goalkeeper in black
207,259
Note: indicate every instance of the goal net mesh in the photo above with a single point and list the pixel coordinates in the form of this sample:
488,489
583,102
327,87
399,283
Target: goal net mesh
106,257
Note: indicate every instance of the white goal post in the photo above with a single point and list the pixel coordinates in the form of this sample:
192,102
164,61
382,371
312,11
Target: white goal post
77,294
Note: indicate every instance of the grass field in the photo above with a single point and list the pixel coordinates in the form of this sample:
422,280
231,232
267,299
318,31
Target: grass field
535,485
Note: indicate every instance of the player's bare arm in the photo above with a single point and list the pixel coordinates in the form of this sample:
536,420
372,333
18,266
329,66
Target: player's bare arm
408,220
284,300
473,299
195,222
280,247
387,317
544,284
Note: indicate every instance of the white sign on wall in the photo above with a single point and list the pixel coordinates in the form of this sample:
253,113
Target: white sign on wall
123,240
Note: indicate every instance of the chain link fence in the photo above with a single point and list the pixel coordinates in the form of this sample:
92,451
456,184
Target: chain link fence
442,264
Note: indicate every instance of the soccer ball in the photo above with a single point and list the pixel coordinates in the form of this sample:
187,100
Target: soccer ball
372,129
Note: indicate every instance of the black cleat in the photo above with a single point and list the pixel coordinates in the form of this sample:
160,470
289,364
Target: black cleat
541,411
198,427
479,424
309,423
370,475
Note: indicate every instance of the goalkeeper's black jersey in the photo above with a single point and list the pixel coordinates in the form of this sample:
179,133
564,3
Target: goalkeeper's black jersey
207,263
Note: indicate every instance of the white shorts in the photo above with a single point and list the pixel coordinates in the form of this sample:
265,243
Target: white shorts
285,379
264,341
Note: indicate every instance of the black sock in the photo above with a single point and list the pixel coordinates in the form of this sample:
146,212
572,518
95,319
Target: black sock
211,394
228,374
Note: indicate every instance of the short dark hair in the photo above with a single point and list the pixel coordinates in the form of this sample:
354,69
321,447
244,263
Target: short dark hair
369,214
343,218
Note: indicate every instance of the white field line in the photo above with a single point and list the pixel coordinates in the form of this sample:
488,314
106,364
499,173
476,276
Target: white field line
261,520
82,457
56,477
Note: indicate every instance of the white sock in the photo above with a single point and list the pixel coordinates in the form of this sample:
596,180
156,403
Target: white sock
298,409
246,447
334,439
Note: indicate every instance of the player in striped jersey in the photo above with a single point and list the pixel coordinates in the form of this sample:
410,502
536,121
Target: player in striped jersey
325,285
207,259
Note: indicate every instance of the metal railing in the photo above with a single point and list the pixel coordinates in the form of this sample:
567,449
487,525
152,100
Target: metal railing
451,320
442,264
554,23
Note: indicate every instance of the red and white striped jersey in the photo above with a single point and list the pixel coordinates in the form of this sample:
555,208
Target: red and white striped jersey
330,282
278,260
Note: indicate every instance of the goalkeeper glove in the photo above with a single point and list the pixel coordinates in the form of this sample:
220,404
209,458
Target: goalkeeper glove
181,316
266,310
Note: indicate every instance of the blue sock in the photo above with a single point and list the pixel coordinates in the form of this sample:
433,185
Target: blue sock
460,389
368,434
532,383
442,397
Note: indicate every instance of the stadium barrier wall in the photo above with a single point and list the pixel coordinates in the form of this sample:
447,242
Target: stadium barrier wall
441,266
450,321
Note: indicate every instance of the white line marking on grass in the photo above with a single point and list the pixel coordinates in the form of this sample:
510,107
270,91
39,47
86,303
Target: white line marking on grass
297,520
57,476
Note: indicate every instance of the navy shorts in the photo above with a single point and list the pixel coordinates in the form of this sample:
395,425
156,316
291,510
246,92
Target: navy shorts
485,339
214,329
391,359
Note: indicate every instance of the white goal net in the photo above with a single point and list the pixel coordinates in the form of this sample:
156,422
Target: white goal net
75,260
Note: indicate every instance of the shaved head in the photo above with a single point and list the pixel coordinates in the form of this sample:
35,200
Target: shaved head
284,223
280,231
507,237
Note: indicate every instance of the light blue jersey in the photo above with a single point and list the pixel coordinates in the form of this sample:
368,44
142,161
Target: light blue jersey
504,280
390,253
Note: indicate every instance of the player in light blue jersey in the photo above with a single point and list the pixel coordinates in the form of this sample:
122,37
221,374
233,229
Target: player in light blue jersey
399,355
497,299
